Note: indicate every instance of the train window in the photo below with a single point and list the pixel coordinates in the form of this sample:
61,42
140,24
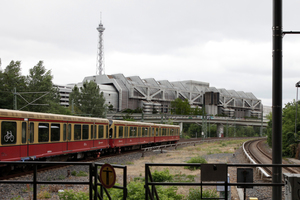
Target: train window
100,131
65,132
85,132
172,132
77,132
146,131
55,132
132,132
143,131
69,132
120,131
139,131
9,132
43,134
24,132
31,132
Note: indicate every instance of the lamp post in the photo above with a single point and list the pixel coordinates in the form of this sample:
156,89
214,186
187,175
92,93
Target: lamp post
297,86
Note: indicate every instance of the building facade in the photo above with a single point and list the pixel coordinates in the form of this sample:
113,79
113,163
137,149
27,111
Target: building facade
154,96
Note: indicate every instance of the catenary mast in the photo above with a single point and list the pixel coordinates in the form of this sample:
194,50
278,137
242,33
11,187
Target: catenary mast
100,59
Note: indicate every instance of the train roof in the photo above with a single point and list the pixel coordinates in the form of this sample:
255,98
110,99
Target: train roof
49,116
128,123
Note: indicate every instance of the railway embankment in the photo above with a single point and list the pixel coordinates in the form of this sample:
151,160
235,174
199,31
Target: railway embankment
216,152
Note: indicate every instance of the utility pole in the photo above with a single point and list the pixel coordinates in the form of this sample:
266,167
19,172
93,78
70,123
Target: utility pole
15,99
277,98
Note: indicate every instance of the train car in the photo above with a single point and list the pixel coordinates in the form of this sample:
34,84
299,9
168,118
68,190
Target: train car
52,137
32,136
165,133
129,134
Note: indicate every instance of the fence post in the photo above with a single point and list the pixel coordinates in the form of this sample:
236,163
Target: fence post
34,182
125,183
146,182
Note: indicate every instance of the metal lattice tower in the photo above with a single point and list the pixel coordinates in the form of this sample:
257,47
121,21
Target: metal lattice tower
100,57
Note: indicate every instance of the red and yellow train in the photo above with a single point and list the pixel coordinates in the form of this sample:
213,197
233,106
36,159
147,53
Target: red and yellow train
41,136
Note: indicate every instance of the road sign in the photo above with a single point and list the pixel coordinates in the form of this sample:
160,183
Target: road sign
107,176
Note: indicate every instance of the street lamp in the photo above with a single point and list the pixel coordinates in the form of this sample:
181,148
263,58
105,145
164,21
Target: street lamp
297,86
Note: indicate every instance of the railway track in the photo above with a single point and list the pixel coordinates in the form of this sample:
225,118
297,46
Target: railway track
254,149
182,142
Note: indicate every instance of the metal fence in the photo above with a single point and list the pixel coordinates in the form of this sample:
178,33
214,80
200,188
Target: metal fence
93,181
151,192
150,189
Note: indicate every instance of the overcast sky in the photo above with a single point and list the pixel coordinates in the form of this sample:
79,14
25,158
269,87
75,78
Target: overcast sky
227,43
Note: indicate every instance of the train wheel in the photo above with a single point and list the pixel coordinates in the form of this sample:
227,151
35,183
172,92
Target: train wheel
4,171
26,168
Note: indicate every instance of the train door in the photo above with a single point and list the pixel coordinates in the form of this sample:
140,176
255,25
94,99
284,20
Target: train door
24,145
68,135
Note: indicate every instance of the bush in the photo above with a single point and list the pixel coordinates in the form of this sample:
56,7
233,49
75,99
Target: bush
136,191
162,176
195,194
198,159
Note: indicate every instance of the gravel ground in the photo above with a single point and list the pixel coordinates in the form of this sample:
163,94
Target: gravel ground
19,191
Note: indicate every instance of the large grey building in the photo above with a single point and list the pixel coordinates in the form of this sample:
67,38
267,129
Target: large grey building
155,96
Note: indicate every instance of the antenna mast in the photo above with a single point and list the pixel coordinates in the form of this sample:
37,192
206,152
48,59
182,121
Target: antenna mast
100,57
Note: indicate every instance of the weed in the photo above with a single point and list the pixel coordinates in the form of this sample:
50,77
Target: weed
196,194
27,189
223,144
152,159
44,195
61,177
17,198
54,188
81,173
184,178
70,194
142,179
129,163
73,173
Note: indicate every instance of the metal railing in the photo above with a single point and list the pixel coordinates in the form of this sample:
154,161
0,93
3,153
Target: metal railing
150,189
93,181
151,192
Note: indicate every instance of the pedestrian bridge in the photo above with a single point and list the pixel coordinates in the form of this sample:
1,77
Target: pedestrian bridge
163,118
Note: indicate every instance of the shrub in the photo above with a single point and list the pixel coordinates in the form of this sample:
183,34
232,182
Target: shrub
198,159
162,176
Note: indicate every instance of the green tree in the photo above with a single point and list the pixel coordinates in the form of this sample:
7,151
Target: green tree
180,107
289,137
10,79
88,100
194,130
74,99
41,90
